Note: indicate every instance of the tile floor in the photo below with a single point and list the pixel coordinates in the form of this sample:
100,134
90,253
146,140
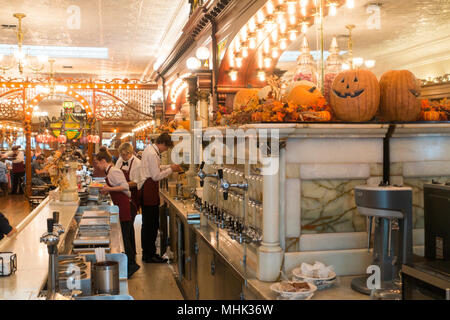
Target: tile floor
152,281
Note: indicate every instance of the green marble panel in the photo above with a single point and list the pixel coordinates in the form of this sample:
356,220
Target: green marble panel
329,206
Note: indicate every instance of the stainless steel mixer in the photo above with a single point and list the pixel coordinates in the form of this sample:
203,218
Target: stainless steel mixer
391,209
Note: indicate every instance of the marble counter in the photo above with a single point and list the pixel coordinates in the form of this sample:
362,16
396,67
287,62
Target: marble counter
32,256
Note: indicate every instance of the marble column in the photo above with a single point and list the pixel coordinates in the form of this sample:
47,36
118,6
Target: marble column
204,107
270,254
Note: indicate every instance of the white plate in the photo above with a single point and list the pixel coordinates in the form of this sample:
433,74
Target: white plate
298,273
294,295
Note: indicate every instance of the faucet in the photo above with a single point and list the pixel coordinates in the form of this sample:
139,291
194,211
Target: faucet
57,227
202,175
226,185
51,239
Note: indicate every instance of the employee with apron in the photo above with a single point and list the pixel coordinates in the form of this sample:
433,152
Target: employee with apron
18,169
131,168
117,187
152,172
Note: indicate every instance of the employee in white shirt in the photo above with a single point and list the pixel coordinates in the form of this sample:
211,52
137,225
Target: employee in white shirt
18,168
131,168
152,172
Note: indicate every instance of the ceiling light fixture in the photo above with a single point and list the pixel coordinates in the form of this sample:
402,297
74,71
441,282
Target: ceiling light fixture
19,57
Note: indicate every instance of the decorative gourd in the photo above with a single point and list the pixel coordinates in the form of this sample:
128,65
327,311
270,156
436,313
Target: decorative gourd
355,95
304,95
400,90
294,84
245,97
431,115
324,115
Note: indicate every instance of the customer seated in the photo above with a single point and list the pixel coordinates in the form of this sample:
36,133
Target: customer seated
38,173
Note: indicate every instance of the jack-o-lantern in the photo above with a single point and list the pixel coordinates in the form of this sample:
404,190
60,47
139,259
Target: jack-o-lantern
305,94
400,90
245,97
355,95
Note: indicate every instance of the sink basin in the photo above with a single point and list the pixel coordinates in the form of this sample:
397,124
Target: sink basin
106,297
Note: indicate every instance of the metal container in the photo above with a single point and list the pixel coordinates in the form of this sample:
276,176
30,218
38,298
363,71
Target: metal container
105,277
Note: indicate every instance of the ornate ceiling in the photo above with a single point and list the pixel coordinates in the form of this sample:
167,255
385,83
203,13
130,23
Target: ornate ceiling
135,32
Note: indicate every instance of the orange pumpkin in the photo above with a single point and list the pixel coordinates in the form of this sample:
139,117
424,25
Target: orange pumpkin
324,116
431,115
400,90
304,95
355,95
245,97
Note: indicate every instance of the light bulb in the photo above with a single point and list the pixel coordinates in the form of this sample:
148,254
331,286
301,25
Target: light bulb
345,66
275,52
261,76
333,9
19,55
202,53
283,28
270,7
232,61
303,3
251,25
350,4
260,17
259,35
238,62
244,51
233,75
173,106
292,34
291,8
267,62
252,42
292,19
305,27
283,43
369,63
303,11
193,63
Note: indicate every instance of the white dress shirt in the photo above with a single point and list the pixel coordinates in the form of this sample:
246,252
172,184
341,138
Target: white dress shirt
19,157
151,164
117,178
135,174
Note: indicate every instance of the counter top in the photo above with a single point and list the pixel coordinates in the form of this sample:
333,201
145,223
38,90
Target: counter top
32,256
232,252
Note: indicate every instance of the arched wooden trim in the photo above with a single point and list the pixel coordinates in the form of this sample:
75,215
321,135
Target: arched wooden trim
121,101
70,93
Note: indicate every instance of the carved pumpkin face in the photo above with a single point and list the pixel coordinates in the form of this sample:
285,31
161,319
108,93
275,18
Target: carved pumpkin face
305,94
355,95
400,90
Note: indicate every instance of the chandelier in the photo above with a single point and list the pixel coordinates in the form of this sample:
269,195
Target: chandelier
18,57
52,88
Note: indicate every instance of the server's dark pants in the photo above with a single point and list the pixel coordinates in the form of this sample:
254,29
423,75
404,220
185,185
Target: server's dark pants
149,231
128,241
16,177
